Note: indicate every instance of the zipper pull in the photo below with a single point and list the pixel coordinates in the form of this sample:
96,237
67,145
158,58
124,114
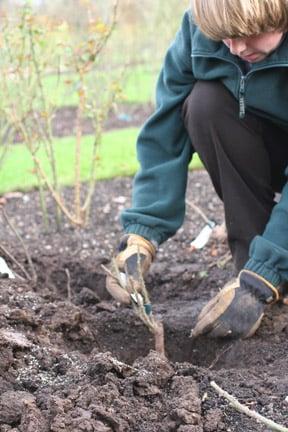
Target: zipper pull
242,97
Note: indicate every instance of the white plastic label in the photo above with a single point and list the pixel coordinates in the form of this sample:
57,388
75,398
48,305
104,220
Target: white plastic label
5,269
203,237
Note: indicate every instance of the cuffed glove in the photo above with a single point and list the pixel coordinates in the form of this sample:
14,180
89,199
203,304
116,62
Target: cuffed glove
237,310
135,254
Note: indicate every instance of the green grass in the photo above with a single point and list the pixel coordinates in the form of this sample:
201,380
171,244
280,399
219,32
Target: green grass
117,157
138,87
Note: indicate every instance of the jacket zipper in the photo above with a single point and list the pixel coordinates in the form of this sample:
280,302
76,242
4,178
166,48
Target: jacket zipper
243,79
242,108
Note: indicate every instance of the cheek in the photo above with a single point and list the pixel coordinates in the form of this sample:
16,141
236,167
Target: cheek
265,44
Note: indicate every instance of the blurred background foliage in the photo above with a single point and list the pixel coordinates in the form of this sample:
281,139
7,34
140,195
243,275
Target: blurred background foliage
128,67
143,32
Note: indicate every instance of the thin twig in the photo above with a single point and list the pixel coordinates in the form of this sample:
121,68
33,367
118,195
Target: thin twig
13,259
28,256
69,292
55,195
109,272
222,262
220,354
250,413
199,211
42,175
18,276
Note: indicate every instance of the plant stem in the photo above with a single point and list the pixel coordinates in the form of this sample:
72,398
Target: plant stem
28,256
77,186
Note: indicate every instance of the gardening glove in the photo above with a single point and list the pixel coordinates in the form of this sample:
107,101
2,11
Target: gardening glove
237,310
135,254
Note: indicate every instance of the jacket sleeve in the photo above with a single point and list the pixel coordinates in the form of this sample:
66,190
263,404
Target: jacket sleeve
164,149
269,252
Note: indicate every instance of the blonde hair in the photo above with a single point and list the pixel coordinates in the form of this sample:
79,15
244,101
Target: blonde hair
225,19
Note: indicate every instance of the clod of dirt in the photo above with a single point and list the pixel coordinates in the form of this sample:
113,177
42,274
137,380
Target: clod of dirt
87,297
13,338
102,363
185,407
32,419
153,372
12,404
213,421
23,316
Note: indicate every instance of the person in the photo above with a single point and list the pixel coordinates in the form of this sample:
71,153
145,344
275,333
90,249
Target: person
223,93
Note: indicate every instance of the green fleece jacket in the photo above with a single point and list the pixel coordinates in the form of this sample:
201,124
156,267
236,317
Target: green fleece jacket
164,148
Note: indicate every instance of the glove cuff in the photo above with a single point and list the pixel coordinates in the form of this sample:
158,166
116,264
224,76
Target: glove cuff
140,242
260,285
130,246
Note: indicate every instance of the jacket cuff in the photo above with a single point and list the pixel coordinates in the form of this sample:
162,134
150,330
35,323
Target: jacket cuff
147,232
262,270
268,260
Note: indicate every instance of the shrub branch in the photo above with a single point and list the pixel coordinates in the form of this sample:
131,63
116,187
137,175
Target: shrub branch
250,413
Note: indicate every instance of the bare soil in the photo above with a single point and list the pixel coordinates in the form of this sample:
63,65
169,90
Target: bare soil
71,359
121,116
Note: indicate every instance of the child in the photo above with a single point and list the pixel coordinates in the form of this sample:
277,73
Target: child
223,93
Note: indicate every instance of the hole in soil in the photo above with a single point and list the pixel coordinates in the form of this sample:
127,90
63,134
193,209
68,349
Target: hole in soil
120,332
127,338
56,279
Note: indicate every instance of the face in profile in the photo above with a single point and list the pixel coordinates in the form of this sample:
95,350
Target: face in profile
254,48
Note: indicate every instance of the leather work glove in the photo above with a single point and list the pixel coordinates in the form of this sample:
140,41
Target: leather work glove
131,246
237,310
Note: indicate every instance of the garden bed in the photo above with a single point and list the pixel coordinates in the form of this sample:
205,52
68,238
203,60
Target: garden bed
122,116
71,359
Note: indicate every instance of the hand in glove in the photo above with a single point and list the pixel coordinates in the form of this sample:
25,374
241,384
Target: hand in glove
131,246
237,310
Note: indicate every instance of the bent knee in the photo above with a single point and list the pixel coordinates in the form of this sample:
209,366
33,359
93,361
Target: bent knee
206,103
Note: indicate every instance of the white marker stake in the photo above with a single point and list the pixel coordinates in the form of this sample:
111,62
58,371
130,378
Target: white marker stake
203,237
5,269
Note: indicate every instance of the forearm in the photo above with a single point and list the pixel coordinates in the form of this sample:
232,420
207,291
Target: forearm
164,150
269,252
158,201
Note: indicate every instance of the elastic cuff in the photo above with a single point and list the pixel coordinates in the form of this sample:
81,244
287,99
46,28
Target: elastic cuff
260,284
267,273
148,233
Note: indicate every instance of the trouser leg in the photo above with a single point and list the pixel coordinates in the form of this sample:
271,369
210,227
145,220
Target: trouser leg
244,159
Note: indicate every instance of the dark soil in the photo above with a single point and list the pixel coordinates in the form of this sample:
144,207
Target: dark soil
86,363
122,116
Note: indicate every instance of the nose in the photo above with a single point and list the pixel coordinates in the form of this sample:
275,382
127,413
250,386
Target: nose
237,46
